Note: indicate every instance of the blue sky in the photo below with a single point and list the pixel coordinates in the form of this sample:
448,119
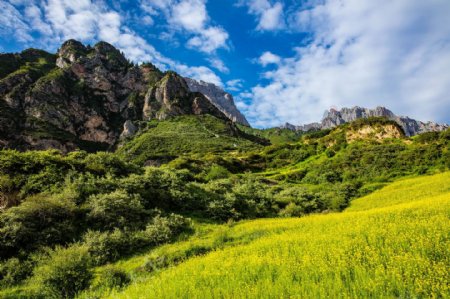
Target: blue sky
284,61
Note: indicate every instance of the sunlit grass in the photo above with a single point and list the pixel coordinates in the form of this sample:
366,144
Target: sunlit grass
392,243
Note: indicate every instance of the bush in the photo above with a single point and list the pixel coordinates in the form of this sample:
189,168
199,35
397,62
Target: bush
108,163
110,246
116,210
300,201
107,247
291,210
245,197
217,172
112,277
64,273
14,271
164,229
39,221
252,198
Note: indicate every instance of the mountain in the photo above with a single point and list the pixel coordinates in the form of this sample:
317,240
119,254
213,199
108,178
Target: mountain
221,99
87,97
333,118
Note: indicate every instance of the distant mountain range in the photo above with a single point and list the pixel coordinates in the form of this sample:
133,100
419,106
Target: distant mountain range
333,118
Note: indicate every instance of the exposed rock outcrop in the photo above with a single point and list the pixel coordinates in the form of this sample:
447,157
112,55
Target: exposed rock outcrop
333,118
86,97
221,99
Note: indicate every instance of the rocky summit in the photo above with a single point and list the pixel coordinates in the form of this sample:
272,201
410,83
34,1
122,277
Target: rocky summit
333,118
221,99
89,97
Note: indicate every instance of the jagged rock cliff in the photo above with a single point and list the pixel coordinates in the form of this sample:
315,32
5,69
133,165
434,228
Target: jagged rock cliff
85,97
333,118
221,99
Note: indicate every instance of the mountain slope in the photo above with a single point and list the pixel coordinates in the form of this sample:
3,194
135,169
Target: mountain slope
86,97
359,253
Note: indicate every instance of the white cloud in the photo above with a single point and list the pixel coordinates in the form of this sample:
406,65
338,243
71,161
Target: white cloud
366,53
218,64
269,58
148,20
234,85
34,15
190,17
12,25
59,20
209,40
190,14
270,16
199,73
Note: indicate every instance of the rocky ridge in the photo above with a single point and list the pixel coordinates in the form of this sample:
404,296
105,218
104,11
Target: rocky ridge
221,99
86,97
333,118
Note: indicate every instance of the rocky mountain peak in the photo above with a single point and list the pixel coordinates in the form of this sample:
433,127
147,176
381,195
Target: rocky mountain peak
171,96
221,99
86,97
70,52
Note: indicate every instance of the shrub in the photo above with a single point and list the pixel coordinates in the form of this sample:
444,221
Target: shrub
112,277
164,229
108,163
107,246
116,210
110,246
300,201
245,197
291,210
159,188
252,198
14,271
64,273
217,172
39,221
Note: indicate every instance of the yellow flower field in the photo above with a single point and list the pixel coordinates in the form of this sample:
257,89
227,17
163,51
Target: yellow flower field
392,243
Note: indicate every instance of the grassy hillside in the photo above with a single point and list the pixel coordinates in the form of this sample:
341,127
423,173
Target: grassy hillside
383,246
95,222
185,135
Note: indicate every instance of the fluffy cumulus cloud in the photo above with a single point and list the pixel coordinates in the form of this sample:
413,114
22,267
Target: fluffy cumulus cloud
191,17
367,53
269,14
268,58
55,21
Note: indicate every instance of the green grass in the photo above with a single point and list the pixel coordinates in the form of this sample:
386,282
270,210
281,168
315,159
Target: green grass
184,135
392,243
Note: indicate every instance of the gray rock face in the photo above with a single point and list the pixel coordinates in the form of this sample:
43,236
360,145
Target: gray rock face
171,96
333,118
129,129
221,99
86,97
